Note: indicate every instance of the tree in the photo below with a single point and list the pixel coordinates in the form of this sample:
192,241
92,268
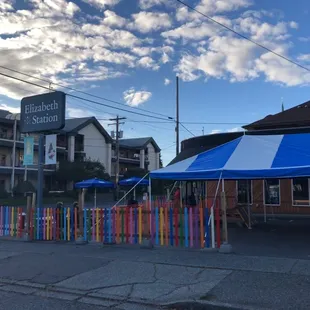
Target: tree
135,172
80,170
161,165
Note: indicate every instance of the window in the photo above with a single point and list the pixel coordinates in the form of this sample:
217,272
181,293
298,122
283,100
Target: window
244,190
272,192
300,191
3,160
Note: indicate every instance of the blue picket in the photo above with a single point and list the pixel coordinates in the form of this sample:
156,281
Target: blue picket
207,230
156,226
171,226
186,226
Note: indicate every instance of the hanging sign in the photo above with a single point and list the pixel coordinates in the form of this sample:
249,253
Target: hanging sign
43,112
28,151
50,150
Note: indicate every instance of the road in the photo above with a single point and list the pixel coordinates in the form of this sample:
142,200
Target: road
13,301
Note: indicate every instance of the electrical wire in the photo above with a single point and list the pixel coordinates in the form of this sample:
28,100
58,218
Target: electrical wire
85,99
187,129
82,92
243,36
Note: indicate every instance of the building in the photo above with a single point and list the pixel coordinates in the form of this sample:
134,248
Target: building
81,138
285,196
137,153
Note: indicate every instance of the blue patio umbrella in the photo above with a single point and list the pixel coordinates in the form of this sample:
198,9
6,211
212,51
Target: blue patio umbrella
94,183
134,181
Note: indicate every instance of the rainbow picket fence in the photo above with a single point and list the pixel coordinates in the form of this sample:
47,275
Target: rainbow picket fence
166,226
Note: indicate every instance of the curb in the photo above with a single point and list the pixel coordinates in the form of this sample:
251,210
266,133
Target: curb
210,305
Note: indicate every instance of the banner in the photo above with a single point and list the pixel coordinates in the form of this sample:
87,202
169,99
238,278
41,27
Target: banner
50,150
28,151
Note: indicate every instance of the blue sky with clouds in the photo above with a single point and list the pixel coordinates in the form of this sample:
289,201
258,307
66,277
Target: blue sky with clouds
131,50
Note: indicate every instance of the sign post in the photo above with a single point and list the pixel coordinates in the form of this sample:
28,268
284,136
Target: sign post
42,114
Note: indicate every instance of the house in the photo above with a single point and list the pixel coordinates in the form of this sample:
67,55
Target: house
285,196
137,153
81,138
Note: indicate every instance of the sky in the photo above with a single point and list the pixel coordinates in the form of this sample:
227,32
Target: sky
130,51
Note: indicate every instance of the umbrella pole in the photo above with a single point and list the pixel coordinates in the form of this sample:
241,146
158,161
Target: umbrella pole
134,193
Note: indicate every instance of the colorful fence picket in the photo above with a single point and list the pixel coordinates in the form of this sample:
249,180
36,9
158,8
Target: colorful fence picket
11,222
186,227
166,226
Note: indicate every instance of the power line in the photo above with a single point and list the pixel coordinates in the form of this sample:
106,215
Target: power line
80,91
85,99
187,129
243,36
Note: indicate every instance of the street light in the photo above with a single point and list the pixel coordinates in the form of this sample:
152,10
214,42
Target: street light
15,117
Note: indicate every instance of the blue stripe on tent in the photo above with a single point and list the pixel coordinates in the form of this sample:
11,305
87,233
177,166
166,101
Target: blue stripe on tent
275,156
294,151
215,158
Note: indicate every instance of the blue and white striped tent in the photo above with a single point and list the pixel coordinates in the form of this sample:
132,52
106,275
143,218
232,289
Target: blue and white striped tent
248,157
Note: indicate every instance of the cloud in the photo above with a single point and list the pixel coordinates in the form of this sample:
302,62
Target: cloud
6,5
148,63
167,81
150,21
102,3
134,98
304,39
304,57
112,19
280,71
211,7
9,108
147,4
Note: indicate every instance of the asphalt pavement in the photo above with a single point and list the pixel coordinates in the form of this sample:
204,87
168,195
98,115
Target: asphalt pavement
44,275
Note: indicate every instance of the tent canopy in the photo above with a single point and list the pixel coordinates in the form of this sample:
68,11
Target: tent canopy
248,157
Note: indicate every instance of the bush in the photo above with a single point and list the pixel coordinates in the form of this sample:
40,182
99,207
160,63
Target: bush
4,194
23,187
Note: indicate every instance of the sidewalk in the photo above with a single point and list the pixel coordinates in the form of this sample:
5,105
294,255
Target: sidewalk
134,278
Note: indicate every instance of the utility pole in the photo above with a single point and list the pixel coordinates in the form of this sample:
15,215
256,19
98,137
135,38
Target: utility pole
117,136
177,128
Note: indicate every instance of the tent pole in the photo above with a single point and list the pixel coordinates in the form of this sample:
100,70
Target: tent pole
248,200
130,191
150,201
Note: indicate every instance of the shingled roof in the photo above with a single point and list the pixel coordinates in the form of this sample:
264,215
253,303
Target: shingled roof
138,143
298,116
74,125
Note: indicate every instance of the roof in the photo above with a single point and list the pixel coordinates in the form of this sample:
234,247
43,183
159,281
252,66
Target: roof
138,143
74,125
298,116
247,157
4,113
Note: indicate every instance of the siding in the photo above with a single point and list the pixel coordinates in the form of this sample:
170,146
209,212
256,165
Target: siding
95,146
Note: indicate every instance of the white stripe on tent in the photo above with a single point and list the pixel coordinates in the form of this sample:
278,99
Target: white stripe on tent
254,152
181,166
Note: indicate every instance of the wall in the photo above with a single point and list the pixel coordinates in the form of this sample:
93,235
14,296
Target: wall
95,146
151,157
286,204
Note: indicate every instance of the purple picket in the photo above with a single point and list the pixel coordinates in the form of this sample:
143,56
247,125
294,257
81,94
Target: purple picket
196,228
